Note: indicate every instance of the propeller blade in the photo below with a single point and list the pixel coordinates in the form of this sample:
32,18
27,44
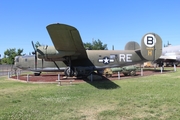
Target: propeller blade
33,45
42,63
35,64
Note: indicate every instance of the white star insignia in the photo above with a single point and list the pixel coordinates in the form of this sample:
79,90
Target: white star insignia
106,60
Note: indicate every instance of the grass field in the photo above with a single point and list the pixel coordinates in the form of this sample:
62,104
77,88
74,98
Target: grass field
150,97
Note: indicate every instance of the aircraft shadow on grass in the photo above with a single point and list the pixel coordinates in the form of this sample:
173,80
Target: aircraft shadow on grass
103,83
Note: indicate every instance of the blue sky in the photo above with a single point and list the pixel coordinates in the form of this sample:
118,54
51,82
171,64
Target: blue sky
114,22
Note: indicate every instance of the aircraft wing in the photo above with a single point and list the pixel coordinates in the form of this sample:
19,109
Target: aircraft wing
66,40
168,58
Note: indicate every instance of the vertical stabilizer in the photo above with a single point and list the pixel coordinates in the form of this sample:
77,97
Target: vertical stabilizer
151,46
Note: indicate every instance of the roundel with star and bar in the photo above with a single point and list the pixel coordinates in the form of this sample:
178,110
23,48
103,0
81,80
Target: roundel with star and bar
106,60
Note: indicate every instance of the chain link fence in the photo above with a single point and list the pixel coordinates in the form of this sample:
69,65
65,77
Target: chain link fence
5,69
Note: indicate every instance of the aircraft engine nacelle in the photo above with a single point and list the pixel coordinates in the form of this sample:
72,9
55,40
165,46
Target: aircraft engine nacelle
43,52
49,53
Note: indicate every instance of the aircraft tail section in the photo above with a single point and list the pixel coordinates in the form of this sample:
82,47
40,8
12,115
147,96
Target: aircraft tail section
132,45
151,46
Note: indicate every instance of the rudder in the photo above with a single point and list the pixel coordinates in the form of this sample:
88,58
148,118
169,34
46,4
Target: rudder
151,46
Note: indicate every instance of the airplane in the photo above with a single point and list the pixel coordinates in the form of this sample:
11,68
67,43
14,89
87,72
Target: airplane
68,48
170,55
29,63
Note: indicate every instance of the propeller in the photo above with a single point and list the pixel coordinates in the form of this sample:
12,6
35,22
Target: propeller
35,53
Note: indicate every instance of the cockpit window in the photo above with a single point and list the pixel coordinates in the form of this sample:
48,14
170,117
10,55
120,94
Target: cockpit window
16,59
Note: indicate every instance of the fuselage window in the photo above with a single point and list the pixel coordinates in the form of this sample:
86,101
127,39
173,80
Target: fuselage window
25,60
113,56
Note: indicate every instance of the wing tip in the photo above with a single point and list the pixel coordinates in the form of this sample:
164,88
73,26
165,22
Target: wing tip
60,26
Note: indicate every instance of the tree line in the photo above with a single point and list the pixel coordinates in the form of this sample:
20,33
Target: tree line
9,54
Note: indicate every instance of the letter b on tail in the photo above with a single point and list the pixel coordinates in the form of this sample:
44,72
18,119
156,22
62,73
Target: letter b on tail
151,46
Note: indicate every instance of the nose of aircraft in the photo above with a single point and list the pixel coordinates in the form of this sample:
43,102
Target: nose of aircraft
16,61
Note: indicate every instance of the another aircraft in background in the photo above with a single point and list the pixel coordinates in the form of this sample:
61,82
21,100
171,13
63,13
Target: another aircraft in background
29,63
170,55
68,48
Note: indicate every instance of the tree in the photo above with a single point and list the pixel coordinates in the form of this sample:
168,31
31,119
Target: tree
96,45
37,44
87,46
10,54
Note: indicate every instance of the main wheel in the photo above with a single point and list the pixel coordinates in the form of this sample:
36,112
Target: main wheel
76,74
37,74
68,72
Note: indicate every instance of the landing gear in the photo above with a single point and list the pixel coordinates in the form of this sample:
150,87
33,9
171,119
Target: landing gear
69,72
76,73
37,73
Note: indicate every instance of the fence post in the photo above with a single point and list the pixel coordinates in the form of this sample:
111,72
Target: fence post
8,74
119,76
27,77
141,71
59,81
17,76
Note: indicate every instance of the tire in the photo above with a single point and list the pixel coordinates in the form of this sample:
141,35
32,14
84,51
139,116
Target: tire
67,72
76,73
37,74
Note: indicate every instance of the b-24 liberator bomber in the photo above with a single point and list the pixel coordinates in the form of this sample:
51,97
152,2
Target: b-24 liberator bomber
68,48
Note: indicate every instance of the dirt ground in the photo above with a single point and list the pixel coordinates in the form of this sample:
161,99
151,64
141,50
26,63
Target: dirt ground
53,77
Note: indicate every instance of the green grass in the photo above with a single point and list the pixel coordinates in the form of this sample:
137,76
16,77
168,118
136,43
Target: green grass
151,97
